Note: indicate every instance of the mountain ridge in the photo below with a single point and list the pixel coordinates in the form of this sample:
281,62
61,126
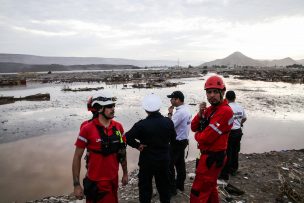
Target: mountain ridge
68,61
239,59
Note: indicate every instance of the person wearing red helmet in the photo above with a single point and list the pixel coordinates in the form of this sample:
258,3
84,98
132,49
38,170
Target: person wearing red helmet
94,115
211,129
92,109
102,137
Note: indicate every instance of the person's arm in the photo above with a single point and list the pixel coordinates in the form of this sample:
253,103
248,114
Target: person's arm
244,118
219,124
124,166
195,123
76,165
243,121
132,136
172,132
170,111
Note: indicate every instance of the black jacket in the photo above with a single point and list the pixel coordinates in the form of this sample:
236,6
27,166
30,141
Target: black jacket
155,131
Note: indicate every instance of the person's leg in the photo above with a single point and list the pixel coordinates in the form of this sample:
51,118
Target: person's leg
204,186
162,181
224,175
145,183
235,155
181,167
115,189
173,154
214,198
107,191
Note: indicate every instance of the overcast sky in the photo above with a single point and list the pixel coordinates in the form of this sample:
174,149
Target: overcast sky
153,29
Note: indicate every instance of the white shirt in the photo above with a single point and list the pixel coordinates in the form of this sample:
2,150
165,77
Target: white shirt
182,119
238,115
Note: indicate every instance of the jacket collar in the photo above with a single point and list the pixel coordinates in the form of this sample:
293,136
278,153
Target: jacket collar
154,115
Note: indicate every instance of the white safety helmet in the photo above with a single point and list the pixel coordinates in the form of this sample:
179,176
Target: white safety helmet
151,103
103,97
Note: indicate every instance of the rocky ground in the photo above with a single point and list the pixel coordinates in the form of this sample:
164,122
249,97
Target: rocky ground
267,177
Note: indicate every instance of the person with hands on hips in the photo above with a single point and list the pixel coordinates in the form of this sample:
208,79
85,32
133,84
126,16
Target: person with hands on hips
152,136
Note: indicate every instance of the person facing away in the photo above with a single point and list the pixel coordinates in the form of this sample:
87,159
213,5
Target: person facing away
94,115
102,137
211,136
152,137
92,110
235,136
181,119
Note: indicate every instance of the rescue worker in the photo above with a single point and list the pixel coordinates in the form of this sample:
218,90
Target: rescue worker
235,136
152,137
181,119
94,115
201,110
212,136
93,111
102,137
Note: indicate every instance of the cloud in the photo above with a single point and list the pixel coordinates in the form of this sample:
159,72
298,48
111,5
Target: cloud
192,29
42,32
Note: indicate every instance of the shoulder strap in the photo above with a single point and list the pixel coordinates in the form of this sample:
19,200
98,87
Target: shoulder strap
212,113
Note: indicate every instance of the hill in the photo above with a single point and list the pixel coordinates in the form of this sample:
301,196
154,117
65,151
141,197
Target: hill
301,61
239,59
68,61
236,58
20,67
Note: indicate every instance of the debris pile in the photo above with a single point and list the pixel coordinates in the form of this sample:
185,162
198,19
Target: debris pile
292,182
68,89
35,97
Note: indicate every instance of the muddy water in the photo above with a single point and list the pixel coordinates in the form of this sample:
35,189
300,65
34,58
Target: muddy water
37,137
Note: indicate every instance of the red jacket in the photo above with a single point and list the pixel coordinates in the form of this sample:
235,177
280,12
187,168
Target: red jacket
100,167
215,136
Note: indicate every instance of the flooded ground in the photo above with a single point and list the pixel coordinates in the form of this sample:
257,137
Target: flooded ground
37,137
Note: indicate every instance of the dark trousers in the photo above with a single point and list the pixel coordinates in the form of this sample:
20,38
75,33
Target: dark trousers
233,149
178,163
160,171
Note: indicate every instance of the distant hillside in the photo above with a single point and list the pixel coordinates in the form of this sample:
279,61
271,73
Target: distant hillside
280,62
20,67
301,61
67,61
239,59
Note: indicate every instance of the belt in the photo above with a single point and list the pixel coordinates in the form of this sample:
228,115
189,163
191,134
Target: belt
211,152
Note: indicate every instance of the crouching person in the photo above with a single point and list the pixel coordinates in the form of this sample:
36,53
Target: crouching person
152,137
102,137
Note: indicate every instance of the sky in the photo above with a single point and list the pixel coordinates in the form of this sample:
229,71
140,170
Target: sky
200,30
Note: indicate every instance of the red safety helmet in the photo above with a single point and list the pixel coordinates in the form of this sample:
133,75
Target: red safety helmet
215,82
89,105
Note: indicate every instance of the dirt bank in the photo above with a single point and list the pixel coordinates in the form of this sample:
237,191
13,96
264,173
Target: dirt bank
260,176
